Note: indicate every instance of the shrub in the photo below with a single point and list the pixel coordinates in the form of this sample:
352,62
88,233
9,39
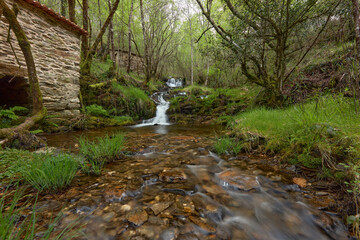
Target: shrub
96,110
314,134
100,151
9,115
227,145
47,172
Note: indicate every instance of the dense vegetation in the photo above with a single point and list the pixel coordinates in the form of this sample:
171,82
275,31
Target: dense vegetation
283,76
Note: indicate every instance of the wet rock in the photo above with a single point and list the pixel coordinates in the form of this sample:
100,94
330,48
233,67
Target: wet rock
237,180
137,216
159,207
109,216
321,193
149,231
157,220
214,189
173,176
48,206
291,187
186,188
169,234
112,195
203,225
300,181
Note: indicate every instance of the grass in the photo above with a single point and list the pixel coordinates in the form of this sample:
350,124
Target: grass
44,171
15,226
318,133
135,101
47,172
227,145
98,152
96,110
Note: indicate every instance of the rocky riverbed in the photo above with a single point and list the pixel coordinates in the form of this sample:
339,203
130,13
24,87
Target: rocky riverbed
169,185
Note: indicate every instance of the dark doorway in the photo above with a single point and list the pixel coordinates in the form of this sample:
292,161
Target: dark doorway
14,91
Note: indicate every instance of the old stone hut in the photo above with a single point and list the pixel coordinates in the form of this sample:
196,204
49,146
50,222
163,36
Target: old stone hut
122,58
55,44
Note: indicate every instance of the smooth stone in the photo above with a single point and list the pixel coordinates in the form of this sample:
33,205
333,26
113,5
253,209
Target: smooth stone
137,216
159,207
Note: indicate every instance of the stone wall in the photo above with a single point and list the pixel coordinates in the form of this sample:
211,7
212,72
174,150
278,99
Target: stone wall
122,60
56,50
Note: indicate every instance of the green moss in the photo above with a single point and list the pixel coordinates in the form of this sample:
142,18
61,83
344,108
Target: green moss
319,133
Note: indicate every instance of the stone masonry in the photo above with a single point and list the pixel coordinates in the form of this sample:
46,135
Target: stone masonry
55,44
122,60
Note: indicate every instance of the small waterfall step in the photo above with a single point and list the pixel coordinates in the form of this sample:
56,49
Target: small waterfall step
160,118
162,105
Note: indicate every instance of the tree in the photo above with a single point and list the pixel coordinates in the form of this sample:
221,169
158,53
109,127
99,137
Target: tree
38,110
87,51
158,35
72,16
270,38
129,36
356,28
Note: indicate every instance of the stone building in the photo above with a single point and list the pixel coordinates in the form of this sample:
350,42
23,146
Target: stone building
122,57
55,45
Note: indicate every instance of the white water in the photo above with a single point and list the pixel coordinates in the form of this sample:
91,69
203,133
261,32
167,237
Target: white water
160,117
173,83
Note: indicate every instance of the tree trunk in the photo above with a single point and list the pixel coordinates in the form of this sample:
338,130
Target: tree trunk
207,71
86,60
356,28
192,51
100,24
85,38
63,8
72,15
111,38
129,36
38,111
146,56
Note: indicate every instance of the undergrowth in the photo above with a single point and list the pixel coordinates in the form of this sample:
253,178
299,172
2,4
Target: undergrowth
100,151
317,134
14,225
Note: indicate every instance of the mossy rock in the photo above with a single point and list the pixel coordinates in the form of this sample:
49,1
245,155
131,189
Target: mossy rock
99,122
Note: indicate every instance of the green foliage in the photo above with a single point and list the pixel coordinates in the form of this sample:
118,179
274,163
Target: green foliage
48,172
96,110
98,152
227,145
135,101
124,120
311,133
44,171
102,69
7,116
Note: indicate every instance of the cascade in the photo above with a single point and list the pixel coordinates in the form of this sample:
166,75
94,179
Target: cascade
162,105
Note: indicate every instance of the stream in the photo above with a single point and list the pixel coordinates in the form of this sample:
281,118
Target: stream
169,185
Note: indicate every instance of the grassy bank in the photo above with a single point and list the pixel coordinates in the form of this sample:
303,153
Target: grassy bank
194,103
321,133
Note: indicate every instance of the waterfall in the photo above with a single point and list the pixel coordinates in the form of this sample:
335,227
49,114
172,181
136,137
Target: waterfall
162,105
161,108
174,83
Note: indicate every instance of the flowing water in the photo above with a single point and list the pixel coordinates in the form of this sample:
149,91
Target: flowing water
171,186
161,108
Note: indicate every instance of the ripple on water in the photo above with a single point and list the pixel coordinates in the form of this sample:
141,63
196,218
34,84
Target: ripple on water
191,193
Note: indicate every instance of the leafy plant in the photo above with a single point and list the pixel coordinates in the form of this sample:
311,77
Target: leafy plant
227,145
100,151
96,110
9,115
48,172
